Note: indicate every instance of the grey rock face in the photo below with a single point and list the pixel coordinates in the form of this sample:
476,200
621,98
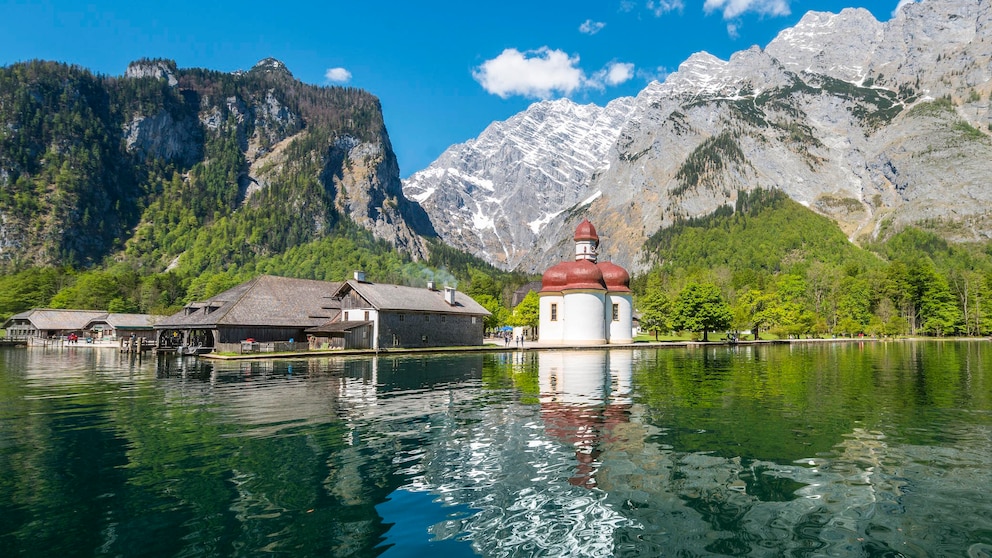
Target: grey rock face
160,135
159,69
494,195
877,125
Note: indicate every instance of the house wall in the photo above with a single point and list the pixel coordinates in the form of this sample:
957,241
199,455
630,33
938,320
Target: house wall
419,329
262,334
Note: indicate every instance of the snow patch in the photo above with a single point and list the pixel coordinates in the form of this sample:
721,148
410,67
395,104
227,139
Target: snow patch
422,197
538,224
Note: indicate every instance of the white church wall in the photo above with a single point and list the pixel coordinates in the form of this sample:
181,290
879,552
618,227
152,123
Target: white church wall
586,309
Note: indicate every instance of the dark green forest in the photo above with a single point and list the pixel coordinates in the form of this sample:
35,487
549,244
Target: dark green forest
781,268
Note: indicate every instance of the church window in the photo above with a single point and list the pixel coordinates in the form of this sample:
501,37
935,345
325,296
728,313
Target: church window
554,312
616,312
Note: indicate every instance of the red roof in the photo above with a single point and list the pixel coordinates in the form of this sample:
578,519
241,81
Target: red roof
585,231
580,274
615,277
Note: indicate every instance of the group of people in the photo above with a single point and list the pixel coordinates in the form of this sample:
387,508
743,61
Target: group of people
518,339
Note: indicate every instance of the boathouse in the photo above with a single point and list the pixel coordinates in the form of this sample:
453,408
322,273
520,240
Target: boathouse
383,316
266,310
114,326
91,325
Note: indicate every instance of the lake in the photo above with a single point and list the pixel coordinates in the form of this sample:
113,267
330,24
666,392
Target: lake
844,449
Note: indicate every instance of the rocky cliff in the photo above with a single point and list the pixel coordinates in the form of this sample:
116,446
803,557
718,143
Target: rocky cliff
91,165
876,124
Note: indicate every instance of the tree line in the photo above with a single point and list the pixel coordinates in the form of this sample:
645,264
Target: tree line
771,266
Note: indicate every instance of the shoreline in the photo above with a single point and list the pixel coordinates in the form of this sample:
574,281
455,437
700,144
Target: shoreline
499,348
535,346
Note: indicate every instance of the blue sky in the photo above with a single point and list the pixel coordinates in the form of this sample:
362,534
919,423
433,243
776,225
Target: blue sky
443,70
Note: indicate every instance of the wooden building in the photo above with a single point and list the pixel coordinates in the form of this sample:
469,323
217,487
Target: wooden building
113,326
383,316
88,325
265,310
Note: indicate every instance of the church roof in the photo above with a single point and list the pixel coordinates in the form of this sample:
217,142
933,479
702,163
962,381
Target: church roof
585,231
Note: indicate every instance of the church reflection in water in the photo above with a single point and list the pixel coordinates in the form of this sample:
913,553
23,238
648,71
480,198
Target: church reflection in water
584,396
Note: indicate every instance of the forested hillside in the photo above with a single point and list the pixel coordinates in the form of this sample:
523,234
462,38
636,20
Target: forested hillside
140,192
783,268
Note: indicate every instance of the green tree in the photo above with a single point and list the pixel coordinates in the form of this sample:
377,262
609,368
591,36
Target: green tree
31,288
527,313
701,307
655,309
498,311
753,310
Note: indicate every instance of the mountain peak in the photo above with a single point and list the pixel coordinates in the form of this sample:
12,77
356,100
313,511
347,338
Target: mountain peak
158,68
271,66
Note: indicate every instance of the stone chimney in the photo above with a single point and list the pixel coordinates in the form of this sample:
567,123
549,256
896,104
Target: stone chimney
359,276
449,295
431,286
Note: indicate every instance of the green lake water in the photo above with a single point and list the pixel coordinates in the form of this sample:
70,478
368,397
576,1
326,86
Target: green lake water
820,449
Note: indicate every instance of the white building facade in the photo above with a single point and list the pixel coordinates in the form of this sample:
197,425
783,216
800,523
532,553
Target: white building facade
585,302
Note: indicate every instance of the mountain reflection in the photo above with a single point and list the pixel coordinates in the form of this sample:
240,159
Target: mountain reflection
833,449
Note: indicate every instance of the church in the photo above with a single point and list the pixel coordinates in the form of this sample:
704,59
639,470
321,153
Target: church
585,302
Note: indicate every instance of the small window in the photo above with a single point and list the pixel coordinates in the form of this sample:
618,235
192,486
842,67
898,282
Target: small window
444,319
616,312
346,316
402,317
367,315
554,312
427,317
473,319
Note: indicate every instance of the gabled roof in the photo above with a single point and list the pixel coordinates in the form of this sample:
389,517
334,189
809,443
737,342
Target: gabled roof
126,321
266,300
411,299
55,319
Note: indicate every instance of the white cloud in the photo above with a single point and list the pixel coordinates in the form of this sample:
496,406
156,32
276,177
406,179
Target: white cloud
734,8
544,73
732,31
540,73
337,75
901,4
618,72
590,27
662,7
657,74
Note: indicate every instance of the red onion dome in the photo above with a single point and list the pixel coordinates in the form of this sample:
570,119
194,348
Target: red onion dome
585,231
583,274
555,278
615,277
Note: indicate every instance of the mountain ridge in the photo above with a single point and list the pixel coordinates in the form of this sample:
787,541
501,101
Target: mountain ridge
854,118
95,167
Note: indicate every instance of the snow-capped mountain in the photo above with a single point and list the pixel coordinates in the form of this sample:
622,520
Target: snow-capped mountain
877,125
492,196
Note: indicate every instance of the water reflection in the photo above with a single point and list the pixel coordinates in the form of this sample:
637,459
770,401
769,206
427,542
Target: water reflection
833,449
